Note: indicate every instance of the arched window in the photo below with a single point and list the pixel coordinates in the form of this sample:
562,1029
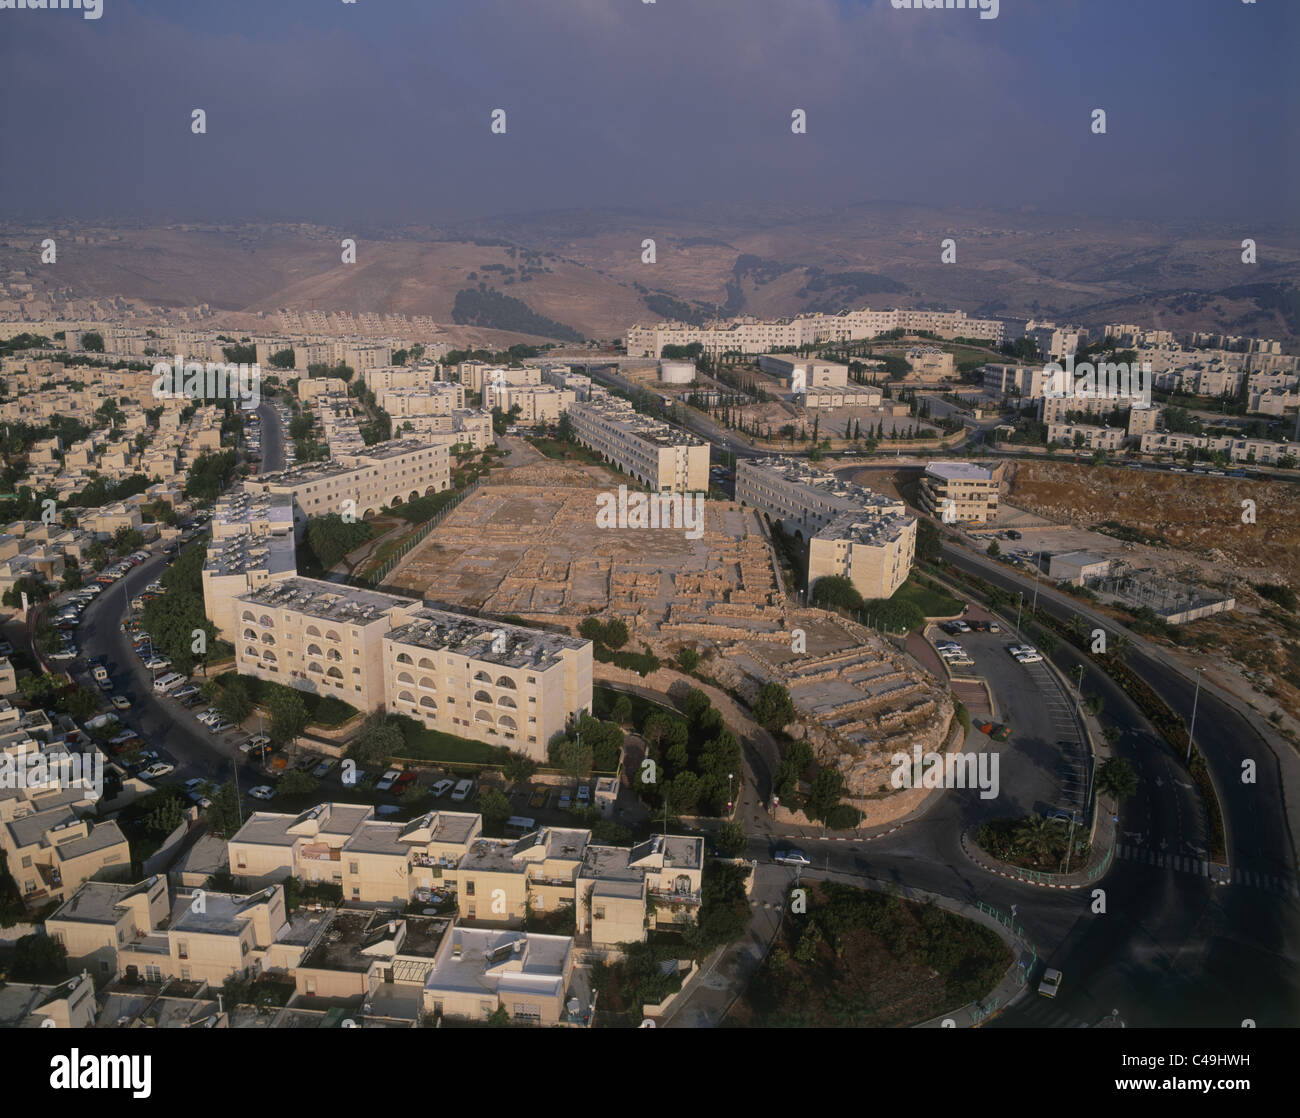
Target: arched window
312,631
483,716
250,635
334,654
403,658
334,673
250,651
427,682
425,662
482,677
267,638
482,697
315,667
314,650
266,622
506,681
427,701
405,677
248,616
267,654
683,883
506,722
507,701
405,697
333,636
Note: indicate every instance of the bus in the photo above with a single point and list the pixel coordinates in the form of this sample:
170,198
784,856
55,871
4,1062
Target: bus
520,825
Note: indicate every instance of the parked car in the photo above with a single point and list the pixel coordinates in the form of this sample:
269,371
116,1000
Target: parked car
566,800
403,782
441,787
157,769
995,730
121,702
1050,983
386,781
220,726
324,767
158,664
185,692
262,792
209,716
791,857
462,790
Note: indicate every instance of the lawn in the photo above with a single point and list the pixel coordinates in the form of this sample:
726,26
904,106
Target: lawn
931,602
554,448
424,744
322,710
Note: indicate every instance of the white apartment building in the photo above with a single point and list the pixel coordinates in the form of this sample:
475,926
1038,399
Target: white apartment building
750,335
424,375
384,475
851,531
1025,381
485,680
537,403
1258,451
959,492
1094,438
478,375
658,455
441,398
252,545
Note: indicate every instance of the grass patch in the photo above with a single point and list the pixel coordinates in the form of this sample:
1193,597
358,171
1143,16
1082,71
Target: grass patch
322,710
930,600
424,744
562,451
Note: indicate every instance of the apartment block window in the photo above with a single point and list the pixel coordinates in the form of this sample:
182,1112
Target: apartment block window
185,974
356,893
469,888
151,973
598,912
27,862
472,913
182,949
354,867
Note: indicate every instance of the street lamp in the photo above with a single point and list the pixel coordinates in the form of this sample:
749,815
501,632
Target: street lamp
1018,609
1191,730
729,800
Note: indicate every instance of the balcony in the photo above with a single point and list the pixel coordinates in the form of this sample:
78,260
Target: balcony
663,897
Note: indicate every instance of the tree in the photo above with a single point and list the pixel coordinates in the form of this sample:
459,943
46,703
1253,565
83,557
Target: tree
38,958
234,705
288,713
836,592
282,360
1036,834
616,633
621,711
993,550
731,840
92,341
695,704
81,702
494,807
225,816
518,768
297,783
165,814
1117,778
773,708
376,745
827,787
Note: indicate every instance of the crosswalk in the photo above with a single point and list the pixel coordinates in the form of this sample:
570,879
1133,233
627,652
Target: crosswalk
1182,863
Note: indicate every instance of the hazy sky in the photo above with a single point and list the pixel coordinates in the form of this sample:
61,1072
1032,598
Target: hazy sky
379,111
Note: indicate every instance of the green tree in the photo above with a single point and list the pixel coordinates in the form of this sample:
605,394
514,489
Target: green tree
731,841
288,713
836,592
518,768
1117,778
81,702
282,360
225,815
494,807
993,550
773,708
297,783
689,659
234,705
38,958
827,786
92,341
376,745
621,711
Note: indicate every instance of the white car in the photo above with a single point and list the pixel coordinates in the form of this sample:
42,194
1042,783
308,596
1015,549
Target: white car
441,787
157,769
386,781
1050,984
262,792
791,858
158,664
121,702
68,652
1028,658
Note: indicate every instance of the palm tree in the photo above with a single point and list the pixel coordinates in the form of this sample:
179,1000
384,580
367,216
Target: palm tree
1035,834
1120,647
1117,778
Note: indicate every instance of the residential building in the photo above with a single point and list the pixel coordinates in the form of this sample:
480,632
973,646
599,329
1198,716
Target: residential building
959,492
661,457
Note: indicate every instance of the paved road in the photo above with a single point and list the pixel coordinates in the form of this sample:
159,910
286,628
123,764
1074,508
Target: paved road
272,438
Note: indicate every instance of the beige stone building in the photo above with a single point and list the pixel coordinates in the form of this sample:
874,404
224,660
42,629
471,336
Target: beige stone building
959,492
485,680
658,455
537,403
479,970
1093,438
851,531
440,398
623,892
498,880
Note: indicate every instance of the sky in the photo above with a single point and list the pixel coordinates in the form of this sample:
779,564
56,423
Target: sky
379,112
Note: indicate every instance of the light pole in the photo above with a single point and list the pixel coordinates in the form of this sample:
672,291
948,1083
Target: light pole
1078,696
1033,609
1191,730
1018,609
729,800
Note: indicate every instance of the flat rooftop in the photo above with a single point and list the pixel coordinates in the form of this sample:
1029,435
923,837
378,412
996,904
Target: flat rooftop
96,902
959,471
328,601
521,648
